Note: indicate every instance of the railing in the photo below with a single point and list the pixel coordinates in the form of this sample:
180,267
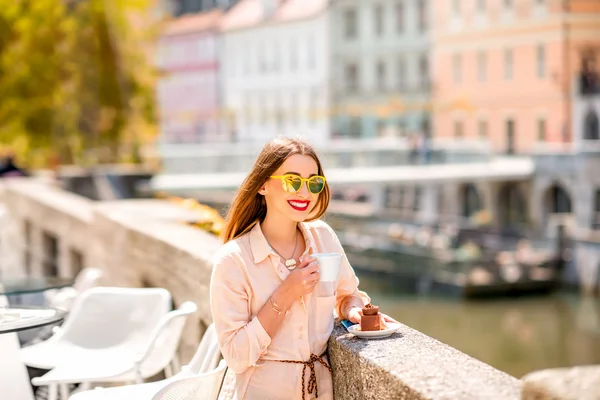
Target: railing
339,153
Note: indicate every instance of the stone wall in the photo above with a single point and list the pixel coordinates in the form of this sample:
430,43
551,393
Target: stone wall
147,243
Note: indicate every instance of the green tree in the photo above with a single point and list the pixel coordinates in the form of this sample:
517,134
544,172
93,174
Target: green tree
75,79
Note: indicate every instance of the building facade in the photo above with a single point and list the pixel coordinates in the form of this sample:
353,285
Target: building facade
380,67
276,75
503,69
188,91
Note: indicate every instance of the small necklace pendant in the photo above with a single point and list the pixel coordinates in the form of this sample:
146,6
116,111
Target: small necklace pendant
290,264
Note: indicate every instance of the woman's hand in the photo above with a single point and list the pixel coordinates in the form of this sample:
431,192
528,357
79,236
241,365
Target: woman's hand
301,281
355,315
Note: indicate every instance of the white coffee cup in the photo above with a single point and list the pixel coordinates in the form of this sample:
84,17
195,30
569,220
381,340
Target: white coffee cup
329,266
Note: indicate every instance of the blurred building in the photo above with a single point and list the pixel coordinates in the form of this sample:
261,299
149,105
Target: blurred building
182,7
380,67
276,69
503,69
188,92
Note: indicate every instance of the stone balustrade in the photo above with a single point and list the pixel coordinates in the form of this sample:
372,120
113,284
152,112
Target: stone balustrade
147,243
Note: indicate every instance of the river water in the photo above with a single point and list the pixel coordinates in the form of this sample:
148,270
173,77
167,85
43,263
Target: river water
515,335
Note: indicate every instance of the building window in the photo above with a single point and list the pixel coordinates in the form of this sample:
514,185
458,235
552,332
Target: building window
541,129
424,71
394,197
247,110
482,66
276,57
354,127
310,52
292,114
314,106
381,127
441,201
458,129
248,61
417,199
262,111
457,68
401,128
350,28
596,217
28,228
76,260
591,126
557,200
378,19
262,62
471,201
401,73
510,136
50,260
351,75
541,61
400,16
381,75
293,55
422,12
508,64
481,6
483,129
456,8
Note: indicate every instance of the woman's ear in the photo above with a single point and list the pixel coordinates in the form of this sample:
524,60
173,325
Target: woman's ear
263,189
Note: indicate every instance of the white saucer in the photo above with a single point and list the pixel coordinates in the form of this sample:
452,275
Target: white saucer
391,328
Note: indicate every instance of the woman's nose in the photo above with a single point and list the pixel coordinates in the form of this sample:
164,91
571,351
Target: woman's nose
304,192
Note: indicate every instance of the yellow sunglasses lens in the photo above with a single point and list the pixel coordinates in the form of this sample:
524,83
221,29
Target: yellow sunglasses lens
316,184
292,183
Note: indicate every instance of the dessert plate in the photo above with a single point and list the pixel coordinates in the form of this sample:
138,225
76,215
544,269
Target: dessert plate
391,328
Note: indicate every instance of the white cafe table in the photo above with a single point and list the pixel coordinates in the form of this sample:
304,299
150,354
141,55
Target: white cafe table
14,379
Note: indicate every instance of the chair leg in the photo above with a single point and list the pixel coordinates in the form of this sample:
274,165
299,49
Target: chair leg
168,371
53,391
175,364
64,391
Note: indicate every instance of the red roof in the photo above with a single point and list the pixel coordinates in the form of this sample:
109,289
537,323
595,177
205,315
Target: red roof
199,22
248,13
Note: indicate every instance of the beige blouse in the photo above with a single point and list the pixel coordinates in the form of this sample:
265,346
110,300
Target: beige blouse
246,272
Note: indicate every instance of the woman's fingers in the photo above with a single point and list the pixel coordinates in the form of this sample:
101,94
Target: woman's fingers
355,315
305,261
387,318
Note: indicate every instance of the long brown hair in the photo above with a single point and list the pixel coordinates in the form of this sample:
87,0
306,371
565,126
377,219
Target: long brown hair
249,207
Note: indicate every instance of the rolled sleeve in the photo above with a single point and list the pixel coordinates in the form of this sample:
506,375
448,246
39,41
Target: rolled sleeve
242,338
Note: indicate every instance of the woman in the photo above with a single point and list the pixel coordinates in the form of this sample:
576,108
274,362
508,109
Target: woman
272,317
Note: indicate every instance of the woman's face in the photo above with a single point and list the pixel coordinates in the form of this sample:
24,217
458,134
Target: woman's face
293,206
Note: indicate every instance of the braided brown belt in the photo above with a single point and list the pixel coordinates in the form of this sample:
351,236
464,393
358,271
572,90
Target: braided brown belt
312,381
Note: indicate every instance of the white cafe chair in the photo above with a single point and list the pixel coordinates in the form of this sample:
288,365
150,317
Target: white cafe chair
131,363
63,298
102,320
202,367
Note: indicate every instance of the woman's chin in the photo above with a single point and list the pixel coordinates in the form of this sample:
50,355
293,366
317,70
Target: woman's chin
297,217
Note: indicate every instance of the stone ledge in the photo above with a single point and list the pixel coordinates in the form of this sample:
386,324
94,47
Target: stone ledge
412,366
49,196
577,383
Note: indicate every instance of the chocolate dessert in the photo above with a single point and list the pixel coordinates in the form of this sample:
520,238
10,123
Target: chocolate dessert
371,319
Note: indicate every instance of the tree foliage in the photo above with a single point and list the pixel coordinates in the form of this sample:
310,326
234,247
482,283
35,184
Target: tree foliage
76,81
